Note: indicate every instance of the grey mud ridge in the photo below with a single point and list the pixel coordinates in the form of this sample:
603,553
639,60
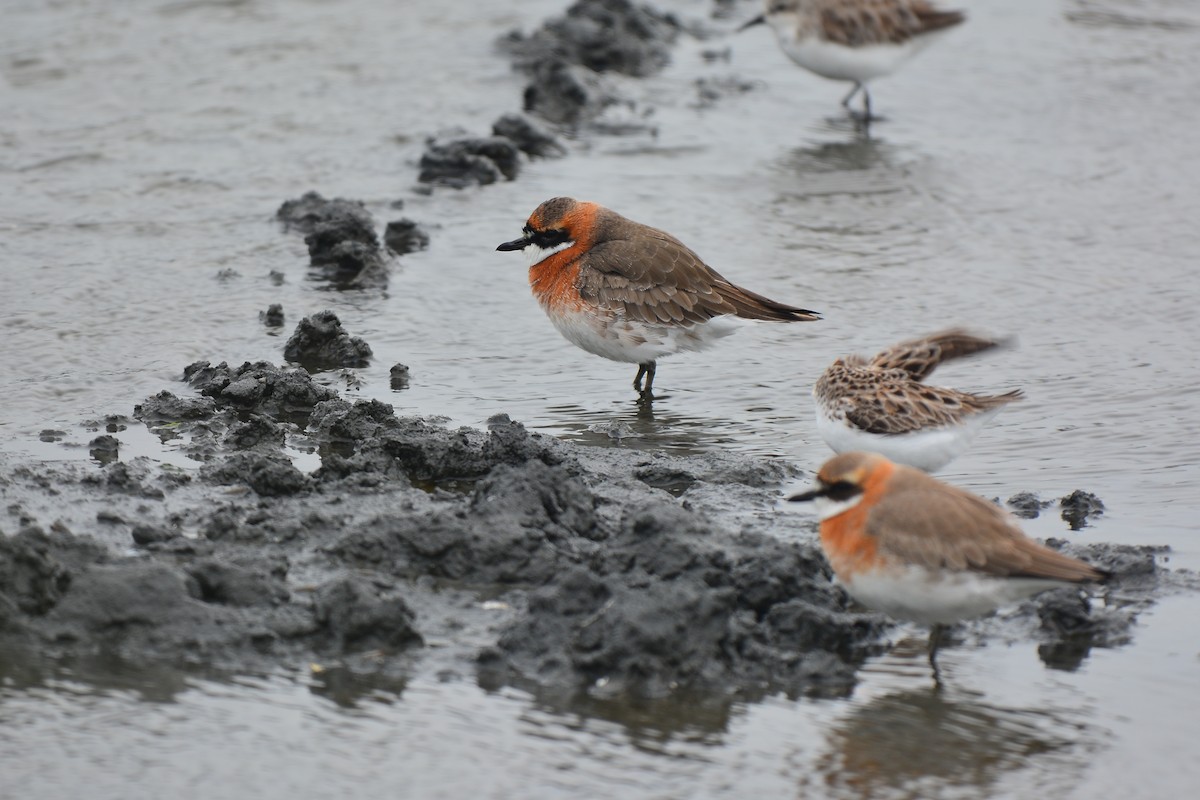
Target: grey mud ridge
504,556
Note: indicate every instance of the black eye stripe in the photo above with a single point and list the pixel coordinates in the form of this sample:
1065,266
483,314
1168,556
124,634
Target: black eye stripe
547,239
842,490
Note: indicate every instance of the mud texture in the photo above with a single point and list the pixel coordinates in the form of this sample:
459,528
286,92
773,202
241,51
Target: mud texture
405,236
601,35
1078,506
320,342
1027,505
310,210
531,138
527,560
1075,508
399,376
343,246
568,60
273,317
462,161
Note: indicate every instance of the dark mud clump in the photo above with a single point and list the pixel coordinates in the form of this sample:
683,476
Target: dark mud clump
566,94
342,244
250,407
372,441
1028,505
1072,621
669,602
607,584
104,449
405,236
528,560
320,343
567,59
307,212
463,161
359,616
1078,506
273,316
262,388
399,377
531,138
602,35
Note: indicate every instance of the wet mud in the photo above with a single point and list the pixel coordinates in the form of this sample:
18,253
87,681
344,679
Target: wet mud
632,594
343,245
569,61
321,343
405,236
529,561
572,569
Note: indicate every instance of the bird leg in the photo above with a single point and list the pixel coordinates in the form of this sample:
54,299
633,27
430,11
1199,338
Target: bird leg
936,634
646,369
863,120
846,100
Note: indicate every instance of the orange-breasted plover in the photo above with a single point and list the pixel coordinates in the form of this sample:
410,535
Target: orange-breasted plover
629,292
918,549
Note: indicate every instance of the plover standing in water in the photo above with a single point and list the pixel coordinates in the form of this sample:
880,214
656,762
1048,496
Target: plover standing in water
629,292
918,549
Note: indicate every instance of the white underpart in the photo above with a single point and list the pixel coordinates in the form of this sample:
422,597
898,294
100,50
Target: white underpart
537,255
927,449
637,342
827,507
940,596
841,63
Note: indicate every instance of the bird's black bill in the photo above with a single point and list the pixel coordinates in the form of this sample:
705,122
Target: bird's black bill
811,494
838,491
515,244
759,20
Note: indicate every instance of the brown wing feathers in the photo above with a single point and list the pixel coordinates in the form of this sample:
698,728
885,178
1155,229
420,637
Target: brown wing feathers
660,279
883,21
951,528
932,19
920,357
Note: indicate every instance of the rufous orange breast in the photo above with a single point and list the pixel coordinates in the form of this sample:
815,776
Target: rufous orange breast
629,292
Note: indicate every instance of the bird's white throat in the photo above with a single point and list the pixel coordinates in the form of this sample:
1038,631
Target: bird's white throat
827,508
537,255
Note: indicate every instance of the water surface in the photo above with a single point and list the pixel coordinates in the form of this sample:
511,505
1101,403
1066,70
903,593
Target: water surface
1035,176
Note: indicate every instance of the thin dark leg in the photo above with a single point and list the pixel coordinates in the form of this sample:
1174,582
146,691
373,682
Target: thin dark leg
846,100
935,639
646,369
866,105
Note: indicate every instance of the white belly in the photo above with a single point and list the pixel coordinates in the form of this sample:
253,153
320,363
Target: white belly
927,450
841,63
917,594
619,339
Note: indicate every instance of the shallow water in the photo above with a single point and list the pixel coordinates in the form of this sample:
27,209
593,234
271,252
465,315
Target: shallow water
1034,176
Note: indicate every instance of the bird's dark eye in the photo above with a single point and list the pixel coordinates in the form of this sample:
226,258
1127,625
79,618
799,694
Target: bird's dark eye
842,490
547,239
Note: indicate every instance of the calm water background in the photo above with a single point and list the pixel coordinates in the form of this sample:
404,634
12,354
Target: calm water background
1036,175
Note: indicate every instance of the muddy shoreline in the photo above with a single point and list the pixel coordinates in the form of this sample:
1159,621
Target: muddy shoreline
504,556
508,556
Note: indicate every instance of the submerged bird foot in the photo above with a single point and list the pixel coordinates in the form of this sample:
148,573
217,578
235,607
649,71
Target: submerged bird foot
647,369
